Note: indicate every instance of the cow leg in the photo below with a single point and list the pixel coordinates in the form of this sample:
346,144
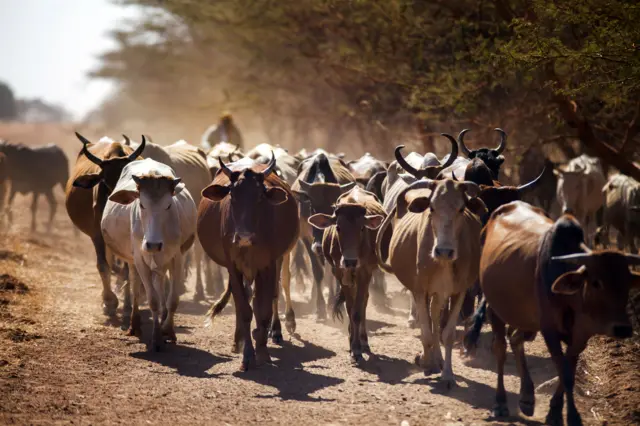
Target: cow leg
527,394
198,294
424,317
109,299
316,289
135,328
265,293
275,330
127,306
566,367
437,309
12,195
153,283
378,294
177,271
500,409
34,210
364,338
243,317
448,336
53,206
412,322
289,315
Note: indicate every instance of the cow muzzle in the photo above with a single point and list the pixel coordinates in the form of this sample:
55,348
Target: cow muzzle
152,247
622,331
243,239
349,263
316,247
444,254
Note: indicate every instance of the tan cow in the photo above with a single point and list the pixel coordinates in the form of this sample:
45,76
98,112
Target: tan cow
435,252
348,245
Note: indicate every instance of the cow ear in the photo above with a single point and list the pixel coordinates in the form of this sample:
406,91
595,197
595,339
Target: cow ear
215,192
124,196
419,204
178,186
374,221
87,181
477,206
570,282
300,195
276,195
471,189
321,220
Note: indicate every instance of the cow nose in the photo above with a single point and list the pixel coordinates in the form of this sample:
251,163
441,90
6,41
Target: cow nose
622,331
316,247
153,247
444,253
243,239
350,263
567,211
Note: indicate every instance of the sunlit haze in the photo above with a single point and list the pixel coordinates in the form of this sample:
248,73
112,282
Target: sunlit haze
48,47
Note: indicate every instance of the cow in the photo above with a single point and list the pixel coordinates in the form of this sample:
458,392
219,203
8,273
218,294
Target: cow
348,245
539,276
622,198
286,165
150,221
321,180
365,167
52,169
190,163
225,150
434,251
4,184
248,223
93,178
493,158
532,160
225,131
579,191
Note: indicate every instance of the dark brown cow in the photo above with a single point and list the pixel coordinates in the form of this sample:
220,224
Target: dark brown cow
348,245
92,180
4,183
247,223
538,275
35,170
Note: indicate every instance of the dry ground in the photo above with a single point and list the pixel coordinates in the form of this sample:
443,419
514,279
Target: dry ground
62,361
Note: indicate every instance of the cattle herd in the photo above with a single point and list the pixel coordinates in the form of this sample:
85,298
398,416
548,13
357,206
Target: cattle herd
450,232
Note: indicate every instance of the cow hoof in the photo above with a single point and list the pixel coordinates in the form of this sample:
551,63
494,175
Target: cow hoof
527,407
126,322
356,359
169,336
276,337
321,317
134,332
412,323
366,349
448,382
290,322
236,348
500,410
198,296
554,417
110,306
262,357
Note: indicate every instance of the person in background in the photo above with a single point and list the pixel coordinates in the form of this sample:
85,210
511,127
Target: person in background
224,131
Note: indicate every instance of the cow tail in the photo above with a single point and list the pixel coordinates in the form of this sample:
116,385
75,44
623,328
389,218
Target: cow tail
338,301
220,304
382,262
478,319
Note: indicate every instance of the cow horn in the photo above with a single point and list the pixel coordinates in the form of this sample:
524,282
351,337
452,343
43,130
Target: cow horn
454,150
503,140
271,167
403,163
95,160
226,170
84,140
453,173
127,141
633,259
135,154
463,147
532,184
575,258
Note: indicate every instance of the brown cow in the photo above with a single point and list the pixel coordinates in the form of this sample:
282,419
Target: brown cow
538,275
348,246
93,178
4,183
434,252
248,222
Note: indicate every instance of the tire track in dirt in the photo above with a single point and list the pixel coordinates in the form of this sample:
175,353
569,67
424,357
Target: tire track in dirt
83,369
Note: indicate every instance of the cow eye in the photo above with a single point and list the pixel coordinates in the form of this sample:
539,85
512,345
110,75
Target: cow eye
168,207
597,284
141,206
338,228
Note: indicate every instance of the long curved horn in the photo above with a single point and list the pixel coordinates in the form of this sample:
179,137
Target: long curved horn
135,154
271,167
84,140
575,258
226,170
503,140
403,163
532,184
463,147
127,141
453,173
95,160
454,150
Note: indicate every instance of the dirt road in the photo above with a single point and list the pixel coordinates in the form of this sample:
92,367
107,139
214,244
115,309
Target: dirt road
62,361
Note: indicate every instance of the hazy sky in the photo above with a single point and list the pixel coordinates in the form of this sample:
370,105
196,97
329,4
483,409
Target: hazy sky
47,47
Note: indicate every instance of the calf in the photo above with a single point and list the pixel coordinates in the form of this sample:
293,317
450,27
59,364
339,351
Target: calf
348,244
149,221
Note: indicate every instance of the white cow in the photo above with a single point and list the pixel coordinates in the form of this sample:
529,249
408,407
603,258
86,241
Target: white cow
150,222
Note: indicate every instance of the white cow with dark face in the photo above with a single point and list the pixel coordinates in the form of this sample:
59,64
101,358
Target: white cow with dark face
150,222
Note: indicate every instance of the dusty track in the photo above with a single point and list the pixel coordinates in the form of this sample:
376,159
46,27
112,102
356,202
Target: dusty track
71,364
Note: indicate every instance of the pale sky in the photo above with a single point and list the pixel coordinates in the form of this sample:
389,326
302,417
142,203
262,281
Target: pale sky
47,47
